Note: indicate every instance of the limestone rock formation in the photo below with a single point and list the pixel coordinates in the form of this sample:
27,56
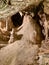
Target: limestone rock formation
30,30
46,6
44,58
25,50
45,45
24,37
7,9
18,53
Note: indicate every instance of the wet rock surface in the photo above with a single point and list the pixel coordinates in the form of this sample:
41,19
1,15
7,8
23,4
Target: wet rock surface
24,48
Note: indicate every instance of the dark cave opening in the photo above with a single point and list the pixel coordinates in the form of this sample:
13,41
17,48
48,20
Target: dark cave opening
17,19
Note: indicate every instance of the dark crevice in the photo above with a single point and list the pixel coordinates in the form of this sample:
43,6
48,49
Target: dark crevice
17,19
9,3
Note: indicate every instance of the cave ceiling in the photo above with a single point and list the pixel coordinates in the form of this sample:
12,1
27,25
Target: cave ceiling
9,7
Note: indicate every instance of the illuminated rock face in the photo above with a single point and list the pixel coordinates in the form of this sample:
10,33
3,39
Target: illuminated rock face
3,3
30,30
5,28
2,23
6,23
46,6
25,50
29,25
44,58
18,53
22,51
7,9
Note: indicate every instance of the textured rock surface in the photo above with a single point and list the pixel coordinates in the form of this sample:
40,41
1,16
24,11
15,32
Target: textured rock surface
15,6
25,50
45,45
18,53
30,30
46,6
44,58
